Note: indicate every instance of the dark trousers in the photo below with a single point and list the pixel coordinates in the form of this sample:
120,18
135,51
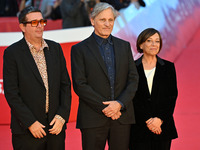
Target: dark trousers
28,142
151,145
116,134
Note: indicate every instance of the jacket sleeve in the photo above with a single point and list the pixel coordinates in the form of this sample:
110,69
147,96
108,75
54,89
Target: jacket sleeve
167,109
127,95
80,85
65,89
11,90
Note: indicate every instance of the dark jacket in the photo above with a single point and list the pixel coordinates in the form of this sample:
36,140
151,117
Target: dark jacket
91,82
160,103
25,90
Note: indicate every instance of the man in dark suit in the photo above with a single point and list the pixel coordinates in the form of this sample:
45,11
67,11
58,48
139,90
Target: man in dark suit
37,87
105,79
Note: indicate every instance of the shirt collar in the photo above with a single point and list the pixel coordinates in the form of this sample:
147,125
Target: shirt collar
100,40
159,60
44,44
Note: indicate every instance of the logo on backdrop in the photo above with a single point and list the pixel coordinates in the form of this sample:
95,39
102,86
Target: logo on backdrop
1,86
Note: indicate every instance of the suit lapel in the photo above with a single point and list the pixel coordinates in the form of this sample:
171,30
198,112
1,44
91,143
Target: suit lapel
95,51
29,60
143,79
158,75
49,63
117,50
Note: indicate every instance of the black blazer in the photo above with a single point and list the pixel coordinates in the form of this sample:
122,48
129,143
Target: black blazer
160,103
91,82
25,90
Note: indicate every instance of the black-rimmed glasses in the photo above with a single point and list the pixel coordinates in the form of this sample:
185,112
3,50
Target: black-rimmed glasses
34,23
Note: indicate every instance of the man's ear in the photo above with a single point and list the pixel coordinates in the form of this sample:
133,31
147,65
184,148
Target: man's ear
92,21
22,27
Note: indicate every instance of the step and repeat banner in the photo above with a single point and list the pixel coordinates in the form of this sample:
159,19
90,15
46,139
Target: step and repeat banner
177,20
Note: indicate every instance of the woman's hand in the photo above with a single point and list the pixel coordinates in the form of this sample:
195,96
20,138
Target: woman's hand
154,125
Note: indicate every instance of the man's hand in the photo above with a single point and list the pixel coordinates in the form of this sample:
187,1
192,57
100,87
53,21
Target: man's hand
37,130
112,108
116,116
57,126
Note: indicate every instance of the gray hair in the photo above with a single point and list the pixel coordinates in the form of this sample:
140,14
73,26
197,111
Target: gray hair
99,7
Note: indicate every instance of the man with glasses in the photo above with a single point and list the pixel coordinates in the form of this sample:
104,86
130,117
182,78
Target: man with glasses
37,87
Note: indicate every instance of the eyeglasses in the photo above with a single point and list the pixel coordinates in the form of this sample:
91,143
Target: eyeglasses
34,23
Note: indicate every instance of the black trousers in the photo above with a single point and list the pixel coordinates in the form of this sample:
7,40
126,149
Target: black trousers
116,134
151,145
28,142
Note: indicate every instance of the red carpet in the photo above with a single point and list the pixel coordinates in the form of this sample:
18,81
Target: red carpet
187,112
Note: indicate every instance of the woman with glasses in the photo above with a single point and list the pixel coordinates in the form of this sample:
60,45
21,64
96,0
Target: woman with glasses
155,98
